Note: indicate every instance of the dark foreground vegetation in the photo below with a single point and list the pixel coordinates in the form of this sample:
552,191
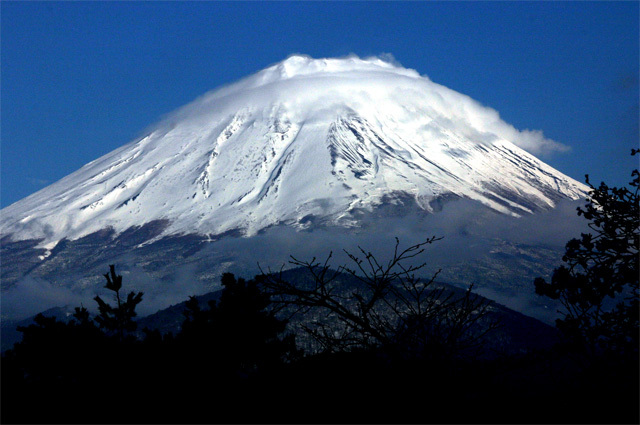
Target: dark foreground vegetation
387,348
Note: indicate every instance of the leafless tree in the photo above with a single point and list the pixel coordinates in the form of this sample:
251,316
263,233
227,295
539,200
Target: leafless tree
388,308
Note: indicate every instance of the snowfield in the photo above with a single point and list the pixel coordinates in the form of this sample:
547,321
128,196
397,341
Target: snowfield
300,141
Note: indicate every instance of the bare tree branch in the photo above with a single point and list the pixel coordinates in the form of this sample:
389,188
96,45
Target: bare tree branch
388,308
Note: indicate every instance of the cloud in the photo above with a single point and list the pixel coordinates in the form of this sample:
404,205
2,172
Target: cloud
532,141
389,58
160,293
374,87
30,296
467,117
470,232
467,227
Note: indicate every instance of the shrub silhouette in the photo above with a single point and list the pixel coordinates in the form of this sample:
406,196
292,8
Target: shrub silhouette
51,350
52,362
239,334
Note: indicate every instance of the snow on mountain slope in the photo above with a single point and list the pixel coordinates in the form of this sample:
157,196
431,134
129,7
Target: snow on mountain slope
304,138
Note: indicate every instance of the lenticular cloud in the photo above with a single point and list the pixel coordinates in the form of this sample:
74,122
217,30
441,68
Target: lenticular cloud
375,83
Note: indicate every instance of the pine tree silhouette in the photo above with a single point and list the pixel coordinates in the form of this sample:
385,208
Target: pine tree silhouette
119,319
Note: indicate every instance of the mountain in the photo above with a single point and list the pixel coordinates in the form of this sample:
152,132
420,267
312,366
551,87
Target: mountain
300,141
304,144
516,334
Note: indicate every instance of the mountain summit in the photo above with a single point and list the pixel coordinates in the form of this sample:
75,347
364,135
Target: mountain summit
300,142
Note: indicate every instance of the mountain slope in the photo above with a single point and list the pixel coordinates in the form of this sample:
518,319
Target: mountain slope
301,142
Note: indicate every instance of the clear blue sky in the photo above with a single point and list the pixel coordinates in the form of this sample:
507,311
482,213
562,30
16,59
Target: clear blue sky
79,79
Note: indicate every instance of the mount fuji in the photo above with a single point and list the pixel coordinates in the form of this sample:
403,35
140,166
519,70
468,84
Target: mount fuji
303,144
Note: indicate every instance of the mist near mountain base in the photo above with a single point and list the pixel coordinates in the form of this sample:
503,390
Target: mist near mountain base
469,232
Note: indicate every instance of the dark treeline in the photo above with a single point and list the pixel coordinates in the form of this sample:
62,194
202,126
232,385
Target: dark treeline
389,347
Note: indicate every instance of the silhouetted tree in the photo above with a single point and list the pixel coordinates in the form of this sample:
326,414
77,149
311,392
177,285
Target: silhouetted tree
67,368
52,350
118,319
390,308
239,333
598,286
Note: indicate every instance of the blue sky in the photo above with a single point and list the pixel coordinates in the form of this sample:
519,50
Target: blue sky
79,79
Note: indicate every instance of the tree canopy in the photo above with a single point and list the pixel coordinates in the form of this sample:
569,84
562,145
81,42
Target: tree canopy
598,286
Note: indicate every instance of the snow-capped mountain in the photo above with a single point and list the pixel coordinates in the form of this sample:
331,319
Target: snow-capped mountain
301,141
